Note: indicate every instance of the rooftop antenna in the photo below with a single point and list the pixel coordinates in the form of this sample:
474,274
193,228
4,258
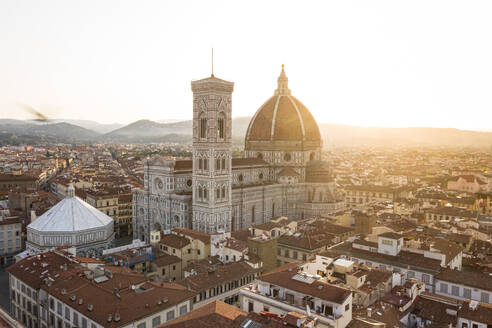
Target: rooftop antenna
212,62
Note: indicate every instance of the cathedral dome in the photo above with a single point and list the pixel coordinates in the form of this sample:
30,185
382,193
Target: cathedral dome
283,123
318,172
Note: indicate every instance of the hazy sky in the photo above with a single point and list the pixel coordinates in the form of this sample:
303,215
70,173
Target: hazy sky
370,63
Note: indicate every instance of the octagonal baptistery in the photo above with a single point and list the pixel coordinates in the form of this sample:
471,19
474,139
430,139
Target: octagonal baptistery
72,222
283,132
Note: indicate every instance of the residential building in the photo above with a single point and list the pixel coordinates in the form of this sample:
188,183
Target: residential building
220,314
288,289
464,285
10,237
124,224
53,290
388,254
448,213
312,236
360,195
467,183
167,267
220,283
23,181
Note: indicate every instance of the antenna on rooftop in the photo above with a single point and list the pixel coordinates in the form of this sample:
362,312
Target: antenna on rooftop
212,62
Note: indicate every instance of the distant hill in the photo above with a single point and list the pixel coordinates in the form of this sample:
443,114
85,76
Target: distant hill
92,125
63,131
332,134
345,135
152,131
145,131
87,124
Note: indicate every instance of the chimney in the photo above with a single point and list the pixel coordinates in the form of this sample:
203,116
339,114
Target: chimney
33,216
369,312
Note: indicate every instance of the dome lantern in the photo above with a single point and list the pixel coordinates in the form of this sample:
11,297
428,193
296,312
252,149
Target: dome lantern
283,84
70,191
283,123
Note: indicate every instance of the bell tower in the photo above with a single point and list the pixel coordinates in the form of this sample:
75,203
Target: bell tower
212,153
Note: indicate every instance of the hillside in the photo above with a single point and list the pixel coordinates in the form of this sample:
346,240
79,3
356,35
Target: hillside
63,131
334,135
91,125
152,131
345,135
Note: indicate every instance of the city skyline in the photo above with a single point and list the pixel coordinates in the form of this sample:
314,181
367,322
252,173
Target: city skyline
430,69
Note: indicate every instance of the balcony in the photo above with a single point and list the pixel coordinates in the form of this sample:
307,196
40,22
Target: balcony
290,304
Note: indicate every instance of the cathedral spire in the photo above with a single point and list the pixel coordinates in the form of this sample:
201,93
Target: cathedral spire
283,84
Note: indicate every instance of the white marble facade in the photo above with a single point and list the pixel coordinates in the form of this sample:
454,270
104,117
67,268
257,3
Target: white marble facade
213,192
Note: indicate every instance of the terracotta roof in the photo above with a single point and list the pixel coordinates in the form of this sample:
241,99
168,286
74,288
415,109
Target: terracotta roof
222,274
218,314
482,313
166,259
448,248
452,211
10,220
87,260
391,235
14,177
467,278
322,290
205,238
130,304
432,307
213,314
29,270
404,259
236,244
248,161
241,235
183,165
174,241
272,224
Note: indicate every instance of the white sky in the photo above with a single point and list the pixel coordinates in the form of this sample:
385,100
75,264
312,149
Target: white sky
370,63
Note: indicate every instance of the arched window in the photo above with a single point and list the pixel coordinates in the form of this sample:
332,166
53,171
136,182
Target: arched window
200,194
221,126
205,193
200,164
223,164
253,213
205,163
217,164
312,156
217,193
202,126
223,192
273,209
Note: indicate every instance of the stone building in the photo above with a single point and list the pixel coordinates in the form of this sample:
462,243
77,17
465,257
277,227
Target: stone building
281,174
71,222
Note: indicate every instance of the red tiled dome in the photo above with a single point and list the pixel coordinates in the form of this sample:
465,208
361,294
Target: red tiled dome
283,122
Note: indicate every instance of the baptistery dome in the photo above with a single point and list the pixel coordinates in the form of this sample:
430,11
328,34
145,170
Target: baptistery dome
283,123
71,222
